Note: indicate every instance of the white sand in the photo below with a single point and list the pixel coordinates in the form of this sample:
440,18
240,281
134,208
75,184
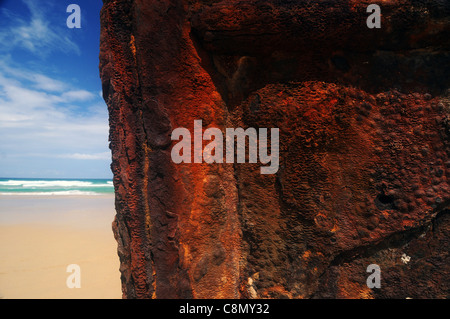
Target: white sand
41,236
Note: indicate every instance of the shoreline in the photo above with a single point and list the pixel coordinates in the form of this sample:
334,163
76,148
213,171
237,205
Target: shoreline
26,195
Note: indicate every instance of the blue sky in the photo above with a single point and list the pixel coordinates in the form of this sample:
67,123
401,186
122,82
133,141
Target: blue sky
53,120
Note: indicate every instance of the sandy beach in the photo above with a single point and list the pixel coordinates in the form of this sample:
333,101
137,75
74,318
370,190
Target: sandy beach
41,235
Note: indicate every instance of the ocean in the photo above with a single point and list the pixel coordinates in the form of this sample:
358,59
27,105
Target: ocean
54,187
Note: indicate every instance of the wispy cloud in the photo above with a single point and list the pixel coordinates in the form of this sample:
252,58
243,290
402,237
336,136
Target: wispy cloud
41,115
95,156
78,95
36,34
36,80
43,82
52,121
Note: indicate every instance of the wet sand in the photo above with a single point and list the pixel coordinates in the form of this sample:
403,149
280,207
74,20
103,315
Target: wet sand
41,235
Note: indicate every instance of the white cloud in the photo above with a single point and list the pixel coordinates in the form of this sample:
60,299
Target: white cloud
37,34
53,120
38,81
78,95
79,156
47,123
43,82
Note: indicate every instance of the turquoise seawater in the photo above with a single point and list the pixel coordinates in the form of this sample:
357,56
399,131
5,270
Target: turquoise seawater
46,186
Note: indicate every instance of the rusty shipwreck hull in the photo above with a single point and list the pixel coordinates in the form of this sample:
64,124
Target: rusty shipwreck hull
364,128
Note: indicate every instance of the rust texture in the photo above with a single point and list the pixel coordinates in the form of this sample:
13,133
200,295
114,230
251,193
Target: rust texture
364,119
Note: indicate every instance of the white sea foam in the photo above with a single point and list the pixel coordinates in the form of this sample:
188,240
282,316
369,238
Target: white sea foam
59,193
53,183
